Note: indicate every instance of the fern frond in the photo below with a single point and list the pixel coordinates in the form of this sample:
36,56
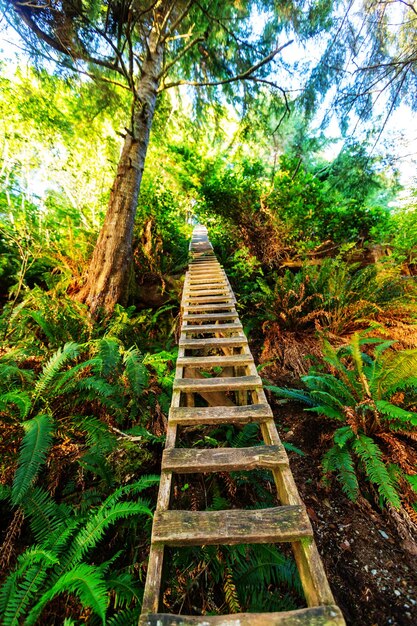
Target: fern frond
343,435
109,355
371,456
53,366
128,616
136,372
21,585
291,394
20,399
396,367
396,412
332,385
401,385
124,587
230,592
97,433
327,411
86,582
97,524
340,460
44,514
34,447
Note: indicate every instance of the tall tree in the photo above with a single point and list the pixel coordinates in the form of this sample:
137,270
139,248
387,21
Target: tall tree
148,47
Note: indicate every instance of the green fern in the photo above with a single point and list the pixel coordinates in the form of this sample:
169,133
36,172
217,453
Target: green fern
53,366
340,460
291,394
136,372
44,514
109,357
376,470
86,582
18,398
35,445
395,412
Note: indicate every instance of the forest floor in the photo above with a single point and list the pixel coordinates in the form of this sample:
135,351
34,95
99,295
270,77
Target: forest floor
372,571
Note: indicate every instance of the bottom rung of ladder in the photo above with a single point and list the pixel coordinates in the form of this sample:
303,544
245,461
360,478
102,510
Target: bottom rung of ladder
314,616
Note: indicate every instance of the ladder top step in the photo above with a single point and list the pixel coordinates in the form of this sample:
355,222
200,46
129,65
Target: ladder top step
240,383
205,362
194,416
198,528
221,342
314,616
194,460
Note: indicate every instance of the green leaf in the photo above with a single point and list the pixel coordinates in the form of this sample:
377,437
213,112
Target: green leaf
33,450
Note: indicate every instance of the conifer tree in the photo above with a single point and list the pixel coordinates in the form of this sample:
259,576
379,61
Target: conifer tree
148,47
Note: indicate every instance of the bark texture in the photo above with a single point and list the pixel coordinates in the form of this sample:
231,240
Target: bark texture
108,271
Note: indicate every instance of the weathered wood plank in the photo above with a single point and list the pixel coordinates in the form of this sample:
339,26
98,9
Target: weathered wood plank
211,328
195,460
216,342
205,299
201,317
199,293
206,362
217,384
195,282
197,528
314,616
220,415
230,306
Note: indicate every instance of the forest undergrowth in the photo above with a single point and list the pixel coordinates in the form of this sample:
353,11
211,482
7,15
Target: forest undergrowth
326,287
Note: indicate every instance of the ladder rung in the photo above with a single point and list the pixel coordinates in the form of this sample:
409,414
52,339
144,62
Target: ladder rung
204,299
209,307
204,285
198,528
221,342
194,460
206,362
188,416
314,616
240,383
196,282
200,317
211,328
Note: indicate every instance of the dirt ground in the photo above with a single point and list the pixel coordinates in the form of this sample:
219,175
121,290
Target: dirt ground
371,569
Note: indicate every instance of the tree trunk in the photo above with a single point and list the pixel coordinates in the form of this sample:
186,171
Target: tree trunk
107,274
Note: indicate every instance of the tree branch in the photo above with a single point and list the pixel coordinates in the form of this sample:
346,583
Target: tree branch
59,47
179,19
180,55
247,74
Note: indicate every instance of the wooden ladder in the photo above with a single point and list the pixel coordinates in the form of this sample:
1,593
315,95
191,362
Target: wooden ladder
208,308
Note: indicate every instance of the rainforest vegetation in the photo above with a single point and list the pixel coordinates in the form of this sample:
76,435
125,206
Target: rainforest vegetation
123,124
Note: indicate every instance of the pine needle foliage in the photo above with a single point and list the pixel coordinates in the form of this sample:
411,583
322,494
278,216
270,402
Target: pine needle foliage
371,391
